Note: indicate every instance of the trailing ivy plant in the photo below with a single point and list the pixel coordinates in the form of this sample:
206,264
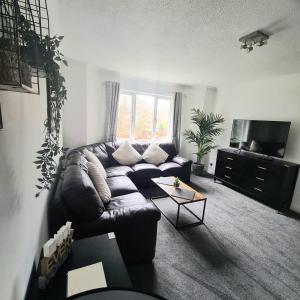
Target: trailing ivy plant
43,53
56,96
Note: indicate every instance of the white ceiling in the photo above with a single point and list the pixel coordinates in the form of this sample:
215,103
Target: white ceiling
183,41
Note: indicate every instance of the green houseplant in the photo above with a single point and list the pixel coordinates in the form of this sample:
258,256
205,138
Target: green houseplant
176,182
207,129
43,53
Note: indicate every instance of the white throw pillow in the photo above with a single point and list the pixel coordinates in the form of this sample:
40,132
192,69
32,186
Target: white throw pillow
126,155
99,182
155,155
91,157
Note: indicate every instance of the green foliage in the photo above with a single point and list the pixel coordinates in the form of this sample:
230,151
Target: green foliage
176,181
51,59
207,130
44,53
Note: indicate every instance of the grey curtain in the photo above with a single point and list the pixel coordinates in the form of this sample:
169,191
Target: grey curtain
112,90
177,120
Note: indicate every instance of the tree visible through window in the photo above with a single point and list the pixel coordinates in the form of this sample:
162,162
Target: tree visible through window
144,117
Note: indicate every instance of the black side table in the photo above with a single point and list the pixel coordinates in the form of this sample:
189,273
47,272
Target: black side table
85,252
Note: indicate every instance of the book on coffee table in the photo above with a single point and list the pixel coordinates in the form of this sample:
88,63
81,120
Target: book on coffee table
165,180
182,193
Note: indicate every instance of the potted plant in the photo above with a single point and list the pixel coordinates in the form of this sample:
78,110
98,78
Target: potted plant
9,70
204,135
176,182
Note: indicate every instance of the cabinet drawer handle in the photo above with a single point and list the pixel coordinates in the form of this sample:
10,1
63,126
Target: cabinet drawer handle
229,158
227,176
261,179
262,168
229,168
257,189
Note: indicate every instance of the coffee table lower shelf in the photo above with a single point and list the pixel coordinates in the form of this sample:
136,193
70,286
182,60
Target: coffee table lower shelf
176,224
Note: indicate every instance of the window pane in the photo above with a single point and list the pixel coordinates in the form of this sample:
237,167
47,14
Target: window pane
124,116
144,117
163,122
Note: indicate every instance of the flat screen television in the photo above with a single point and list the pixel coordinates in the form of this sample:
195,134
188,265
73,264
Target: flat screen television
265,137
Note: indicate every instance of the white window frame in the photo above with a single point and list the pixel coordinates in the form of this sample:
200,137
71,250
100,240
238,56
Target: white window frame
133,95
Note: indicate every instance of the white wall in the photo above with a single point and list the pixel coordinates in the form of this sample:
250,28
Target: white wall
75,108
23,223
95,108
84,112
267,99
23,218
194,98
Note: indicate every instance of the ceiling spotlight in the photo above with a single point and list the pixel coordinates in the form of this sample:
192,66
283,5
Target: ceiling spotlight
257,38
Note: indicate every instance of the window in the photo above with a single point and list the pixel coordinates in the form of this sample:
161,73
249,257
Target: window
144,117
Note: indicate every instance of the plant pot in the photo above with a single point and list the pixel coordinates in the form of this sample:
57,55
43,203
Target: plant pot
198,169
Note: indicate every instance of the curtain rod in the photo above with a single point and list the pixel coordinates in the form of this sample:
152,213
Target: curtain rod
147,93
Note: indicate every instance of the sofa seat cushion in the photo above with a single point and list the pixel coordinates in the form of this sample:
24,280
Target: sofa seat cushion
121,185
118,171
127,200
145,171
170,169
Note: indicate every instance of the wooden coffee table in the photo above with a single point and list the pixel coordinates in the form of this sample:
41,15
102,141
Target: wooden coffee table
168,191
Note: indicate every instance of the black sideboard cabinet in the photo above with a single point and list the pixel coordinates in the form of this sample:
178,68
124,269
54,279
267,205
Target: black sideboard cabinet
271,181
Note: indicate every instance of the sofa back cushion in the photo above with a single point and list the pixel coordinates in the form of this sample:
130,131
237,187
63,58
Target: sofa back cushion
58,213
170,149
104,152
79,195
99,149
75,158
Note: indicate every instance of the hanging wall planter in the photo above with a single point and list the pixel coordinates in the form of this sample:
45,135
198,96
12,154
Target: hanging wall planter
10,73
23,24
26,49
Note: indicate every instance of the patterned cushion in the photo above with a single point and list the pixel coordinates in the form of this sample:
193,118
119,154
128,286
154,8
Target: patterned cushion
99,182
91,157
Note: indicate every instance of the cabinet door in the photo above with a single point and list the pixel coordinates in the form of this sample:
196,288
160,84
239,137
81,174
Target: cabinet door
264,180
257,175
229,167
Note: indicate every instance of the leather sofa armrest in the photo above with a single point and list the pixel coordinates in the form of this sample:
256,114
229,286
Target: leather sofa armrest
119,219
181,161
131,216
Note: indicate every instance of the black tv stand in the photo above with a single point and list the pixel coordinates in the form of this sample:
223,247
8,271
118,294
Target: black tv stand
267,179
266,157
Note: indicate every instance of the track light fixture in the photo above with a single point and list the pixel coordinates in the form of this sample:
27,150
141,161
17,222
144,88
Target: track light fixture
256,38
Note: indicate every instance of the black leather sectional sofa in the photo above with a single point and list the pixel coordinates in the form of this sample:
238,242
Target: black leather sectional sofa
129,214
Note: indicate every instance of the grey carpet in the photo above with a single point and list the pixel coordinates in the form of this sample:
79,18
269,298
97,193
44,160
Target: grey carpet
245,250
